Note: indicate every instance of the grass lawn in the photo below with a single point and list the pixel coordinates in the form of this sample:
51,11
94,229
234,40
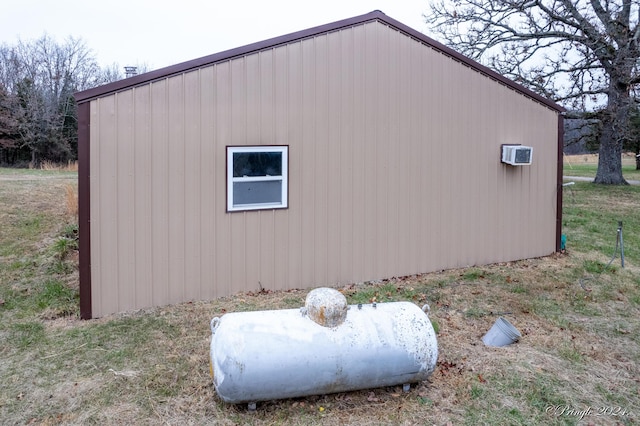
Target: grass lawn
578,361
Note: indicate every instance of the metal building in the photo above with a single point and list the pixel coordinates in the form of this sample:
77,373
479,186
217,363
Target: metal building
353,151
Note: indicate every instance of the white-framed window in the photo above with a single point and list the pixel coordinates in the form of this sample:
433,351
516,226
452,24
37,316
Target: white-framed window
257,177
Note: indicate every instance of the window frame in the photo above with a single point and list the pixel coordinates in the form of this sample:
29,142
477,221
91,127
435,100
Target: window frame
284,178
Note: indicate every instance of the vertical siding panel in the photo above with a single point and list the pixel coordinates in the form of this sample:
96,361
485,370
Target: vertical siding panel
95,180
507,174
538,178
176,186
125,201
160,192
321,164
489,195
546,174
266,249
238,130
413,137
345,108
417,168
281,226
295,95
192,189
268,108
382,141
429,181
534,186
334,173
267,102
462,188
456,110
421,169
210,175
380,154
434,97
440,96
360,209
531,188
308,164
482,143
142,201
238,272
488,152
371,207
410,156
238,121
455,189
108,205
253,73
501,171
252,101
497,173
512,175
395,189
223,137
444,148
253,245
266,253
400,159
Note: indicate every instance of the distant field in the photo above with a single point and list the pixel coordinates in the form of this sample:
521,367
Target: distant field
586,165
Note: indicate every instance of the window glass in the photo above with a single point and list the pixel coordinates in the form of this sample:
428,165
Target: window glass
257,164
257,177
257,192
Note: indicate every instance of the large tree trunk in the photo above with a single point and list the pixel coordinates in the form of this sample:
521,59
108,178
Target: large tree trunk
614,131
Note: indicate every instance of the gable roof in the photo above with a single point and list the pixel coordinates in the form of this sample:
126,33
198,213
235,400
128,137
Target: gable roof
376,15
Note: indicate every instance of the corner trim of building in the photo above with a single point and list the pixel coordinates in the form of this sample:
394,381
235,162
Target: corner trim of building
84,208
559,183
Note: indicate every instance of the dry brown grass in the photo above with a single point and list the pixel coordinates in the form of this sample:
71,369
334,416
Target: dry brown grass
70,166
71,200
578,360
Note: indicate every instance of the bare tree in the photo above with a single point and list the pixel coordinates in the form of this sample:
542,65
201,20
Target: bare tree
9,135
42,76
634,145
581,53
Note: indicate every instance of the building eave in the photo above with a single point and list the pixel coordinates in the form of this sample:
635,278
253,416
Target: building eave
376,15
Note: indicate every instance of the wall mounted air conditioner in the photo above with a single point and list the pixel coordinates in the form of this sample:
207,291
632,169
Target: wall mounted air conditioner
517,155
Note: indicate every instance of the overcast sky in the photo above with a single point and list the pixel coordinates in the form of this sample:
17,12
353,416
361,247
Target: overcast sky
163,33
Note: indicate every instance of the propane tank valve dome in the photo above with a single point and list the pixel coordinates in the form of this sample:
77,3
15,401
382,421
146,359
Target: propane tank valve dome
326,306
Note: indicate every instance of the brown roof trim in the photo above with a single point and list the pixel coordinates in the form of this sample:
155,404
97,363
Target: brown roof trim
84,209
106,89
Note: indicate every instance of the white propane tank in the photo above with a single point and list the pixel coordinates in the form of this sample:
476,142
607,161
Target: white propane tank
325,347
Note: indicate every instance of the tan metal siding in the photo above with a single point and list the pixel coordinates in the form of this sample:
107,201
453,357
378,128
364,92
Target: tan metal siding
212,194
143,231
160,176
393,170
